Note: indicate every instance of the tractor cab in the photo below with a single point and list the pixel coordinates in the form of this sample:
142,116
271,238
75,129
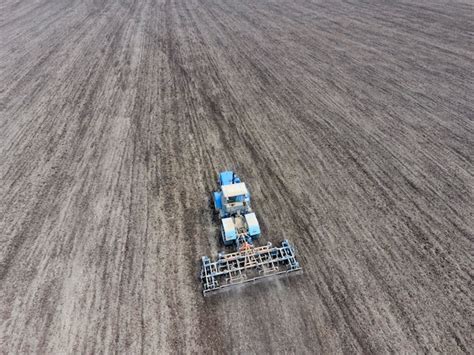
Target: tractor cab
233,198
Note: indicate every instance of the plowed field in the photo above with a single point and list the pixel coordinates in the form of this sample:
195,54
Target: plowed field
350,121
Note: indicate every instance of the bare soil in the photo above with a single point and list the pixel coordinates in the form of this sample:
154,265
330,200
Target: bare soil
350,121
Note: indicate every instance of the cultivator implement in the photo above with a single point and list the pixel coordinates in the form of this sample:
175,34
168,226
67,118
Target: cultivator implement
248,265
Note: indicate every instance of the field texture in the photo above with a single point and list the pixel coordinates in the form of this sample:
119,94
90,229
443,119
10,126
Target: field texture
351,122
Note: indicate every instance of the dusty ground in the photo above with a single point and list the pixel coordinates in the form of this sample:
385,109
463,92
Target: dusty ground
352,123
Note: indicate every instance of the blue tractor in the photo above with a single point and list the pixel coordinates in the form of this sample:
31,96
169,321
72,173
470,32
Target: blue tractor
239,230
232,202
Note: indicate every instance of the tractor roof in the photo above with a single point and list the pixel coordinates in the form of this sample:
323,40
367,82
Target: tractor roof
234,190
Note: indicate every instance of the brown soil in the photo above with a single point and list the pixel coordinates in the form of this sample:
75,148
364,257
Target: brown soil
351,122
